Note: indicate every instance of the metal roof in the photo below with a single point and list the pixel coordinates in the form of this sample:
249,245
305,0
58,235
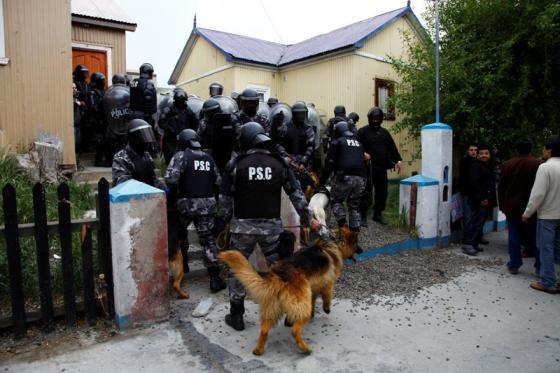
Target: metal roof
105,10
246,49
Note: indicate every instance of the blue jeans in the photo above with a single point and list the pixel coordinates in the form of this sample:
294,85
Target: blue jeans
473,228
467,212
548,244
516,229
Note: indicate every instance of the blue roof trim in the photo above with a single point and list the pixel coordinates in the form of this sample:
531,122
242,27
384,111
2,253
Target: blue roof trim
437,126
360,43
132,189
420,180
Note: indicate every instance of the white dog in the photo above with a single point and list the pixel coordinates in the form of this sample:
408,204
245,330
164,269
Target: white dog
318,205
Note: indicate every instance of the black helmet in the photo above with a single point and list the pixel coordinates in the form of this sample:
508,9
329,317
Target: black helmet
342,129
375,116
81,73
354,117
299,112
140,135
188,138
249,101
251,135
339,111
209,108
216,89
118,79
97,80
146,70
272,101
180,96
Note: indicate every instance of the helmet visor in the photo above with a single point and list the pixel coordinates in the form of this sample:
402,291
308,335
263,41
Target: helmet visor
142,135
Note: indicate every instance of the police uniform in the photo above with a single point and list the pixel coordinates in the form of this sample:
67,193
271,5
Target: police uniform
195,176
257,118
127,164
173,120
379,144
346,159
218,137
143,99
255,219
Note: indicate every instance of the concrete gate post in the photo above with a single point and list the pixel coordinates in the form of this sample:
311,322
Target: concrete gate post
139,243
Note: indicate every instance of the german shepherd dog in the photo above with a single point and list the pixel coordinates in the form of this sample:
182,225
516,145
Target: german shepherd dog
292,285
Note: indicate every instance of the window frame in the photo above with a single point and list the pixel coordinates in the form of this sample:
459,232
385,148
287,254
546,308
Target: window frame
3,59
390,85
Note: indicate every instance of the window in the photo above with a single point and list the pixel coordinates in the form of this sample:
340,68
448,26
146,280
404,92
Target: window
262,90
3,59
384,90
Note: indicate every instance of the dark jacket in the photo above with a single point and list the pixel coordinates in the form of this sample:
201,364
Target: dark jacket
379,144
464,169
482,184
517,178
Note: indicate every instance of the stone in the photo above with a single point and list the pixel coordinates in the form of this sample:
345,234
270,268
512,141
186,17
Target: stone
203,308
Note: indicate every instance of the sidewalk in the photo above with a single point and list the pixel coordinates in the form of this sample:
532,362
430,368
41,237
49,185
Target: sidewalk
483,321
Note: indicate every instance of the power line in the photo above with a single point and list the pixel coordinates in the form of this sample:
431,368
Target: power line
271,23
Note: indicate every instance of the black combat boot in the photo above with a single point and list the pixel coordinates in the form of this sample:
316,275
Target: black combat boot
363,218
235,316
378,217
216,282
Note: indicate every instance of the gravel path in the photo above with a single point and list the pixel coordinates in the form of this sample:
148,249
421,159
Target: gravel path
382,279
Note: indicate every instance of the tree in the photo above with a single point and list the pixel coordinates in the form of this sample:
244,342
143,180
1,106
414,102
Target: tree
500,64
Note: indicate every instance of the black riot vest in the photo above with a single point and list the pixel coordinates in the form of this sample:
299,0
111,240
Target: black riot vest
258,186
138,93
143,168
350,156
295,141
198,177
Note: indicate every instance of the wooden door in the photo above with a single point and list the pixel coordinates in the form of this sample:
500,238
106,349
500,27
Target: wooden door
95,61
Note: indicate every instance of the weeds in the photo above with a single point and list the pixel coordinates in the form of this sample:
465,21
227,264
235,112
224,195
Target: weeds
81,198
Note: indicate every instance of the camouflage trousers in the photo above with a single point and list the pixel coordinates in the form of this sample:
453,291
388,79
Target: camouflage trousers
204,225
246,243
350,189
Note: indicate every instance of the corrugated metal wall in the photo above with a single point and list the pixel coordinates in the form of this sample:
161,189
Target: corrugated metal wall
36,85
204,58
97,36
325,83
245,75
387,42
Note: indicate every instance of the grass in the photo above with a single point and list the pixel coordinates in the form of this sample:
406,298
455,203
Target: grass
81,199
397,219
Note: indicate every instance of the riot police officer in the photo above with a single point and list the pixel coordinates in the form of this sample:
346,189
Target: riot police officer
249,104
346,160
195,177
354,118
81,74
379,144
215,89
256,172
116,104
143,95
217,132
134,161
272,101
96,120
173,120
298,143
339,116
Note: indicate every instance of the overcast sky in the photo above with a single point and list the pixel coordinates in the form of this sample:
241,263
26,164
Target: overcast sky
164,26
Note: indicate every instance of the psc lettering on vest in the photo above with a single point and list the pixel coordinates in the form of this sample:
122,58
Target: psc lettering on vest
351,142
202,165
260,173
